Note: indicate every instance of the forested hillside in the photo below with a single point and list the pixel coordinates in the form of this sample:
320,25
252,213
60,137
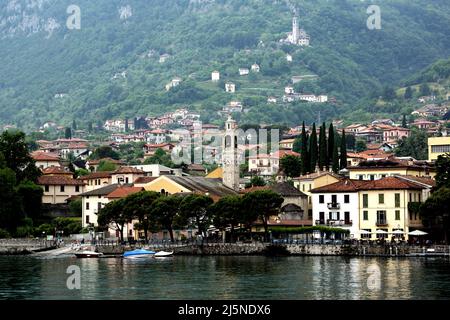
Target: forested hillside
110,67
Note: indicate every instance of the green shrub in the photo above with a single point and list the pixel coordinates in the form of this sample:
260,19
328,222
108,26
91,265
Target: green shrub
4,234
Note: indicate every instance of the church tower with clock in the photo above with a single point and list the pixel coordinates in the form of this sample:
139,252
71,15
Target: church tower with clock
230,158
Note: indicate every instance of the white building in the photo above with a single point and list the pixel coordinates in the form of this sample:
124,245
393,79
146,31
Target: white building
175,82
255,67
155,170
289,58
163,58
338,209
298,36
271,99
156,136
230,87
243,71
289,90
215,76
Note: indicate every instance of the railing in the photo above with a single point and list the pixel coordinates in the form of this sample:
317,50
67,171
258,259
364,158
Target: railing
332,222
381,222
333,205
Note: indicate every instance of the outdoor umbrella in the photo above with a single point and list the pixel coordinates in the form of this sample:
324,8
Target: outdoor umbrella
398,232
381,232
417,233
364,232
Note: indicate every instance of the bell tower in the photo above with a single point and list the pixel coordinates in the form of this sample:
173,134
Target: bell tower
230,160
295,30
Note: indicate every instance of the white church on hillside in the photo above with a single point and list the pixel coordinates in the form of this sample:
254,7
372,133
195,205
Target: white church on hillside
298,36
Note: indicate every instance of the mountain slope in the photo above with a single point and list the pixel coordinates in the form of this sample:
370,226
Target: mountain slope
42,58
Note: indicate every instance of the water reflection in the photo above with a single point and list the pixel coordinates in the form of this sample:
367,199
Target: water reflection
225,278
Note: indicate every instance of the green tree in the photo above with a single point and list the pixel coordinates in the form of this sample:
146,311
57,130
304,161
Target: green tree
323,159
16,156
68,133
297,145
343,154
104,152
335,160
416,145
304,151
105,165
404,122
10,211
425,89
291,165
361,145
443,171
139,206
31,198
227,212
435,213
331,145
408,93
256,181
114,213
263,204
389,93
166,212
194,210
160,157
76,207
313,150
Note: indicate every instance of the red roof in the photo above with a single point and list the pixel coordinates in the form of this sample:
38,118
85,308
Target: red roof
56,170
350,185
124,170
122,192
59,181
44,156
144,180
96,175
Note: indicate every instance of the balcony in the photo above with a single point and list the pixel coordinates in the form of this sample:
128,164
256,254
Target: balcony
334,223
381,223
334,206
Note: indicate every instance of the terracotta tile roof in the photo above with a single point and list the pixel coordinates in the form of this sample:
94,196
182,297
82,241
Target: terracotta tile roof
96,175
424,180
44,156
59,181
56,170
350,185
144,180
123,191
125,170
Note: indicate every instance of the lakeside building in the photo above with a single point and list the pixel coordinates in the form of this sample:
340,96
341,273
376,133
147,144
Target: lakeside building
438,146
58,188
378,207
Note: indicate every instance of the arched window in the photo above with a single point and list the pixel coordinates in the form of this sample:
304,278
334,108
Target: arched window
235,142
163,192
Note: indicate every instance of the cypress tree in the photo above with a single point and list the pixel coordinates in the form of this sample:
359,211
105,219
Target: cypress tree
304,151
408,93
404,124
335,166
323,148
331,143
126,124
68,133
74,125
343,155
313,150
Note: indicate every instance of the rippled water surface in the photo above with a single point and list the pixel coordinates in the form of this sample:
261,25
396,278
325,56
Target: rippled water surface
227,278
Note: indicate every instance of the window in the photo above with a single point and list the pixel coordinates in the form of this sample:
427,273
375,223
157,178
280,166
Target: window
87,219
309,189
346,198
372,177
99,206
321,199
62,188
365,200
303,187
77,188
440,148
420,197
87,205
365,215
410,197
381,217
381,198
397,214
397,200
309,213
334,198
47,188
361,177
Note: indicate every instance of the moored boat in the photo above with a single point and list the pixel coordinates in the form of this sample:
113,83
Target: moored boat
162,254
88,254
138,253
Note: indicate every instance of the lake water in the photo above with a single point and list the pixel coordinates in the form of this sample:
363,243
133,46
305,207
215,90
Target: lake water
190,277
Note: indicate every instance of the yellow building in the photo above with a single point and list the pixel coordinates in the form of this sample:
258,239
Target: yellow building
311,181
438,146
378,169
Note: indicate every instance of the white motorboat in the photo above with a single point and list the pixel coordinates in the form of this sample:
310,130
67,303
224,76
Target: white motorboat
163,254
88,254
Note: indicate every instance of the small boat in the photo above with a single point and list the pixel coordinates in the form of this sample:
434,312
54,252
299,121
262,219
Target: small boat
161,254
138,253
88,254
